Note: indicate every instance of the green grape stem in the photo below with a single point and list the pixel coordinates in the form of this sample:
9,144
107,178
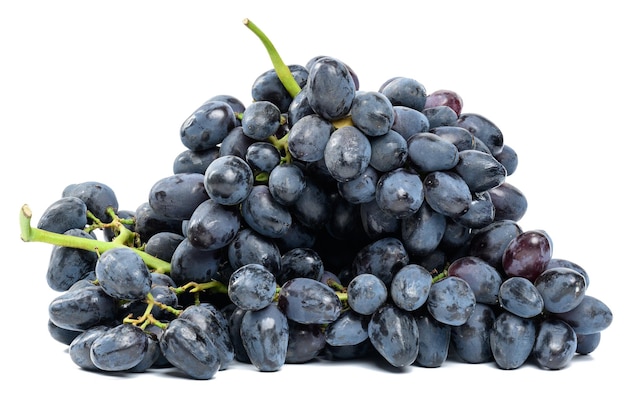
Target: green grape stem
282,70
33,234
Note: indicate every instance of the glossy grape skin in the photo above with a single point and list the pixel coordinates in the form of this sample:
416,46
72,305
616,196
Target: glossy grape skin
480,214
260,120
189,348
236,143
264,214
228,180
192,264
361,189
347,153
383,258
268,87
189,161
207,126
481,171
559,262
445,97
178,195
64,214
490,242
451,301
262,156
286,182
403,91
98,197
434,341
148,222
163,244
483,278
308,138
79,348
410,287
330,88
447,193
119,348
429,152
313,207
527,254
265,336
213,226
394,334
484,130
236,105
306,342
460,137
67,265
471,339
440,116
299,107
587,343
509,159
252,287
422,231
82,307
409,121
376,223
63,336
509,201
590,316
512,339
234,326
520,297
302,262
562,289
212,321
151,356
366,293
400,192
251,247
122,274
308,301
555,344
372,113
348,330
389,151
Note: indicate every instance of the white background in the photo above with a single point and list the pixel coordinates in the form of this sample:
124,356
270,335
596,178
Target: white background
98,91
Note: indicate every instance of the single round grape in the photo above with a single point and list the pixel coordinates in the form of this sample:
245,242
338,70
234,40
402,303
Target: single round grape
262,156
67,265
555,344
471,339
372,113
361,189
447,193
484,130
590,316
252,287
348,330
330,88
265,336
460,137
440,116
268,87
561,288
149,222
119,348
122,274
481,212
520,296
376,223
481,171
347,153
423,231
409,121
82,307
235,143
228,180
483,278
451,301
286,182
300,262
509,201
400,192
527,254
306,342
192,264
389,151
62,335
490,242
383,258
434,341
250,247
587,343
260,120
430,152
64,214
163,244
508,158
178,195
366,293
98,197
410,287
512,339
308,138
309,301
207,126
394,334
405,92
264,214
212,225
80,348
190,161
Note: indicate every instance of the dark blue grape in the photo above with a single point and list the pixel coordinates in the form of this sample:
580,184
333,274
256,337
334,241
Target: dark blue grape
348,330
303,262
262,156
389,151
265,336
213,226
559,262
308,138
330,88
148,223
471,339
405,92
561,288
82,307
383,258
366,293
80,348
490,242
313,207
429,152
236,105
481,171
207,126
440,116
587,343
409,121
483,278
299,107
376,223
251,247
264,214
286,182
400,192
163,244
590,316
252,287
98,197
268,87
234,332
394,334
119,348
520,296
228,180
481,212
192,264
260,120
509,201
410,287
508,158
309,301
64,214
189,348
460,137
451,301
151,357
306,342
178,195
434,341
372,113
62,335
67,265
484,130
555,344
122,274
361,189
190,161
236,143
347,153
447,193
422,231
512,339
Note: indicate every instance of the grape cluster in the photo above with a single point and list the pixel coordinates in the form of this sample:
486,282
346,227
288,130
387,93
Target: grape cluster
318,221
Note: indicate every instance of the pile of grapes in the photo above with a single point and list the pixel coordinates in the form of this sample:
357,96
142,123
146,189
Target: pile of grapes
320,221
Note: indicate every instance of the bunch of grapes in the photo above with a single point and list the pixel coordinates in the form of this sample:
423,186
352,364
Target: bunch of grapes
318,221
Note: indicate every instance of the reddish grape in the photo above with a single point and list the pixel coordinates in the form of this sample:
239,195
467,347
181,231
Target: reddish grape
527,255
